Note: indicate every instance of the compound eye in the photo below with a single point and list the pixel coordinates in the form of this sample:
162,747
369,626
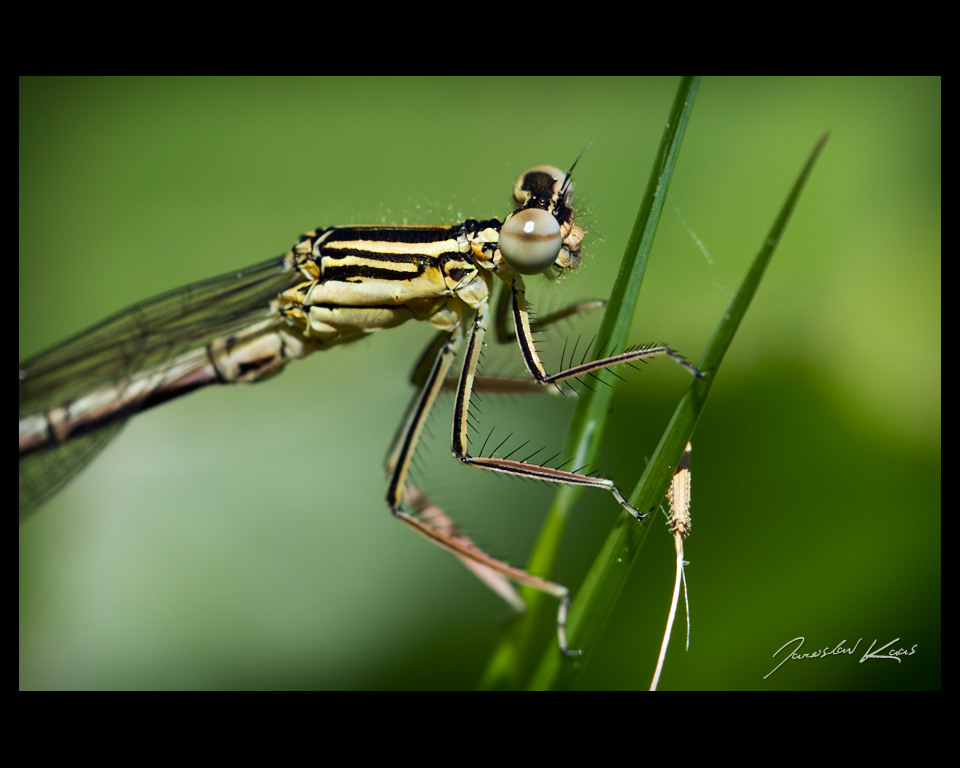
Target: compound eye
530,240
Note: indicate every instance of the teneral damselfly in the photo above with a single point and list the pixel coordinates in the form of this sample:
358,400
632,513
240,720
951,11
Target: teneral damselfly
334,287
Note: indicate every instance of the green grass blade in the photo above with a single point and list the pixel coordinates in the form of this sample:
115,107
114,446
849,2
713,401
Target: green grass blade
597,597
505,669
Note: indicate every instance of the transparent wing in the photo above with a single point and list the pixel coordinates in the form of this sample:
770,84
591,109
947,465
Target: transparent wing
43,473
149,336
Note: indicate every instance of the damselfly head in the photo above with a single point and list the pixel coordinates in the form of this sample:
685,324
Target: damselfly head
540,233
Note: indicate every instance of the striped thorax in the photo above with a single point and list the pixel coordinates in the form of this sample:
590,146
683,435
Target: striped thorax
360,279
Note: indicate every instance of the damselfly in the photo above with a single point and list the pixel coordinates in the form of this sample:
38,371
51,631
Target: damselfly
335,286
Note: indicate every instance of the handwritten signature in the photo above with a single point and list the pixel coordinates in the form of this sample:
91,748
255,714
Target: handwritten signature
839,650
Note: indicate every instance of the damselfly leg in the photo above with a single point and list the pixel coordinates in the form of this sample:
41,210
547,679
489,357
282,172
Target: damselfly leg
431,522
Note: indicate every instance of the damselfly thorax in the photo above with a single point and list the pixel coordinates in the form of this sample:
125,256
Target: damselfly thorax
335,286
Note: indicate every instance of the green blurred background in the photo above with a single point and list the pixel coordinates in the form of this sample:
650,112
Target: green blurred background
237,538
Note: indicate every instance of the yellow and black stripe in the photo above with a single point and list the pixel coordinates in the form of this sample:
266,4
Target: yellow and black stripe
360,279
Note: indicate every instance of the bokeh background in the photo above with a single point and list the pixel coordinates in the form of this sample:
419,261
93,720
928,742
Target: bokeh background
237,538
